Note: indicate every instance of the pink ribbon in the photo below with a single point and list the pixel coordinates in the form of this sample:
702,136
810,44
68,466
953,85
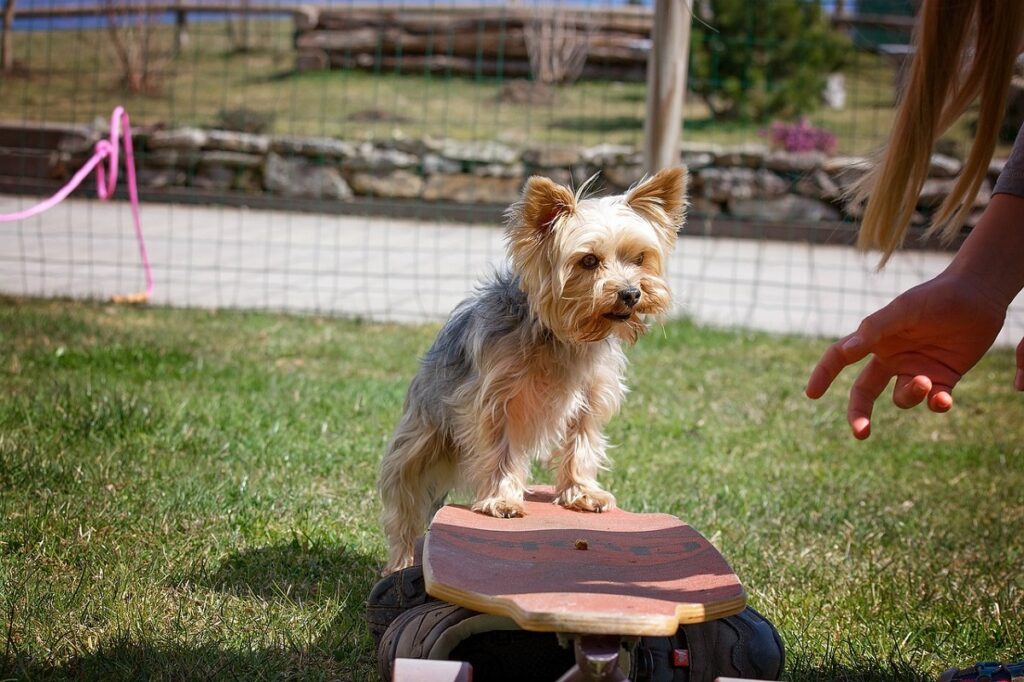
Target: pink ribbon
106,181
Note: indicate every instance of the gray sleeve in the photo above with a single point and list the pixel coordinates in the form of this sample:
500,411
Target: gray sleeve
1011,178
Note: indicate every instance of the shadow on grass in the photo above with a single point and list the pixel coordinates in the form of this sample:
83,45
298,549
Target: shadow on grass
871,670
293,572
121,659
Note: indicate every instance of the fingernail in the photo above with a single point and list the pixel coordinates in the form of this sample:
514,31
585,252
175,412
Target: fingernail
1018,381
852,342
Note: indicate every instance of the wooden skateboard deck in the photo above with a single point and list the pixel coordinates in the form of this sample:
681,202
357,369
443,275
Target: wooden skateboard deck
557,570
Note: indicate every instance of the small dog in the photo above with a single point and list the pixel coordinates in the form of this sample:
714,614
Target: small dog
532,362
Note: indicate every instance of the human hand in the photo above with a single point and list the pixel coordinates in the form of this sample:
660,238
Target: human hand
928,337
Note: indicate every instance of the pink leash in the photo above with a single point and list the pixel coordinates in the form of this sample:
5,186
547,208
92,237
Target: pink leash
105,183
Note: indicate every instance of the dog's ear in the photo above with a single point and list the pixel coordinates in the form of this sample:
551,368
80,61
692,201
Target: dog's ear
661,199
543,203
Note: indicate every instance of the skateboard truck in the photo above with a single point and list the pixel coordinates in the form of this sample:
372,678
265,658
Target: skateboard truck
597,658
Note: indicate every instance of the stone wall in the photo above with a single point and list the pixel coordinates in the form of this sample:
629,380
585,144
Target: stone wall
748,182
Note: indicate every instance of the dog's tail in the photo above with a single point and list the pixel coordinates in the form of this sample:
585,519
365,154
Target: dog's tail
416,473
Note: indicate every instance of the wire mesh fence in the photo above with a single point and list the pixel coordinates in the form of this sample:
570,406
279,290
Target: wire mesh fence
355,158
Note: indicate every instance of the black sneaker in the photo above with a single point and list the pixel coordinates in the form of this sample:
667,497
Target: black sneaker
392,596
745,646
408,623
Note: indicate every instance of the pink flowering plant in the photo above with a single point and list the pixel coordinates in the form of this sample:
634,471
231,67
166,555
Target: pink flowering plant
801,136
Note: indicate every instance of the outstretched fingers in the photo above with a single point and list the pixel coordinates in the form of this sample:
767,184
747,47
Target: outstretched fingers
940,398
865,391
854,348
910,390
839,355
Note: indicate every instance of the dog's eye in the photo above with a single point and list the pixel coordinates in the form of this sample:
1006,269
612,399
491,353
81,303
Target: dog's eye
589,262
639,260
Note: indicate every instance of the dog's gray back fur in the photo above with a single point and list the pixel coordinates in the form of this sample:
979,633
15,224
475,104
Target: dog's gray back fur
497,309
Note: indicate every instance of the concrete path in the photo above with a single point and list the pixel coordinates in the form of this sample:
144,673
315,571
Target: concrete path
395,270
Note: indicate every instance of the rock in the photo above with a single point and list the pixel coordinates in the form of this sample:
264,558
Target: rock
984,196
178,138
73,144
934,191
973,218
552,157
398,184
232,141
794,162
769,184
943,166
846,170
409,145
817,185
231,159
465,188
319,147
788,208
435,163
699,206
369,157
689,147
611,154
995,167
722,184
838,165
214,176
500,170
169,158
479,152
160,178
694,161
745,155
622,177
248,180
299,178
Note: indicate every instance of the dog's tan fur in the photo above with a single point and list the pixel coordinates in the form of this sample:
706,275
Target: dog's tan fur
532,365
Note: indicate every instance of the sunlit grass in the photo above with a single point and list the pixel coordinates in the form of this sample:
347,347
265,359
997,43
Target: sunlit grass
192,494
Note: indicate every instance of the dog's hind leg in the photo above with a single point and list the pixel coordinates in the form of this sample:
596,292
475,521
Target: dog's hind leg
416,471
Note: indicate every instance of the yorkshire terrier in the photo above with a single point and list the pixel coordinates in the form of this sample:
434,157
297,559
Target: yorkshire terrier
532,364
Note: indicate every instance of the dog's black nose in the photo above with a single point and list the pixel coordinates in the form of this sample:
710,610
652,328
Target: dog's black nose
630,296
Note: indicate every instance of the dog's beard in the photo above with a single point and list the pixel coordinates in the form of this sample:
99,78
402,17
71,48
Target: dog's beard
587,313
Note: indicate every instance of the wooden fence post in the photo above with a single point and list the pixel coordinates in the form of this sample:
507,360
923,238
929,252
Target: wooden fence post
666,83
7,38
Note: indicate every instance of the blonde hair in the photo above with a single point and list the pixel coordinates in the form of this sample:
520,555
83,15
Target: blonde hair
949,71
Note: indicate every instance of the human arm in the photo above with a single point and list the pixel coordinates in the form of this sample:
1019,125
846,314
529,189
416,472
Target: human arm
928,337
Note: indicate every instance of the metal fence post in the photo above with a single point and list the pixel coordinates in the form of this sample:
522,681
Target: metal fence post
666,83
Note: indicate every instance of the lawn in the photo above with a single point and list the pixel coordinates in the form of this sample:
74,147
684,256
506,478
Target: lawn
72,77
192,494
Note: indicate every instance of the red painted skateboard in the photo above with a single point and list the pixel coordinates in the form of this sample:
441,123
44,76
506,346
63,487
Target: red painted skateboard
556,570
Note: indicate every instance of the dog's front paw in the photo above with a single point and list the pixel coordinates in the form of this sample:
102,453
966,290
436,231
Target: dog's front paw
586,499
500,507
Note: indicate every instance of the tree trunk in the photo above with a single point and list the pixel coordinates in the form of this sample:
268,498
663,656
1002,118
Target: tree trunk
7,38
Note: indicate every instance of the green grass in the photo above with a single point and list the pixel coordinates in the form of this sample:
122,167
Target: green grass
191,494
72,77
